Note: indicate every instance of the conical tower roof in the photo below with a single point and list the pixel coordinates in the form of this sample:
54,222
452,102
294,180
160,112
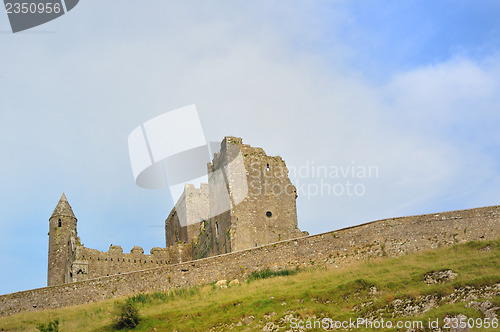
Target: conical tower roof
63,208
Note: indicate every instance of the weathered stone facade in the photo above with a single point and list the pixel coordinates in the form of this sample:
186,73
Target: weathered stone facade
262,211
246,217
192,209
70,261
62,243
336,249
248,202
251,202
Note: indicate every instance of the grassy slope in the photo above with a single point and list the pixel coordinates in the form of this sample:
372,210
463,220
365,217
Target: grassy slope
319,293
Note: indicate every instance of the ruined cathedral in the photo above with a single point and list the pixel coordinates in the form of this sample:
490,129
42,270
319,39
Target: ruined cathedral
249,201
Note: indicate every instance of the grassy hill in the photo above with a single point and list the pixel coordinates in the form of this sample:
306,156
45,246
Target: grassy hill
456,282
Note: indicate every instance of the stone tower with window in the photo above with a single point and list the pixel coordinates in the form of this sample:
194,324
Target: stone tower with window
251,202
248,202
262,200
62,243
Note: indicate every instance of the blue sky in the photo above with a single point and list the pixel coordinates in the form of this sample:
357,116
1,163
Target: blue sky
411,87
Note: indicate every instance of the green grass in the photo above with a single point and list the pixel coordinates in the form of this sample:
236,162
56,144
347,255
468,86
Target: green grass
268,273
270,296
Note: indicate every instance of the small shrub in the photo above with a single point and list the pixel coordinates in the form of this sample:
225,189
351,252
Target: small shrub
181,292
140,298
268,273
52,326
193,291
354,286
127,314
477,245
160,296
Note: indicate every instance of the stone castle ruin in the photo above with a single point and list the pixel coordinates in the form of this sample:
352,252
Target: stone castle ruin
243,220
248,202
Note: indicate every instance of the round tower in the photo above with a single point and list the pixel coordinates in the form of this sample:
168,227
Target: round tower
62,243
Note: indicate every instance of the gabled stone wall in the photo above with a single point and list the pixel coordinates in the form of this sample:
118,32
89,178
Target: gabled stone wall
252,202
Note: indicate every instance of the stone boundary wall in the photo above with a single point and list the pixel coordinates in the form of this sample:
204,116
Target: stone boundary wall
390,237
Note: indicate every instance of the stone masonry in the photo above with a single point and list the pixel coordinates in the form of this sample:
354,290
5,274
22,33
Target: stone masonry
249,201
244,219
336,249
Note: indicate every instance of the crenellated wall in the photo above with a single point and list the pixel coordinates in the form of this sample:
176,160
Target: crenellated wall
92,263
336,249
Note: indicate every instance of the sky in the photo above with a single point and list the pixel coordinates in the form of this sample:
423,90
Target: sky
398,100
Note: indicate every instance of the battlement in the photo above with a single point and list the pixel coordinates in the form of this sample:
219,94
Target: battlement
224,229
92,263
248,202
335,249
